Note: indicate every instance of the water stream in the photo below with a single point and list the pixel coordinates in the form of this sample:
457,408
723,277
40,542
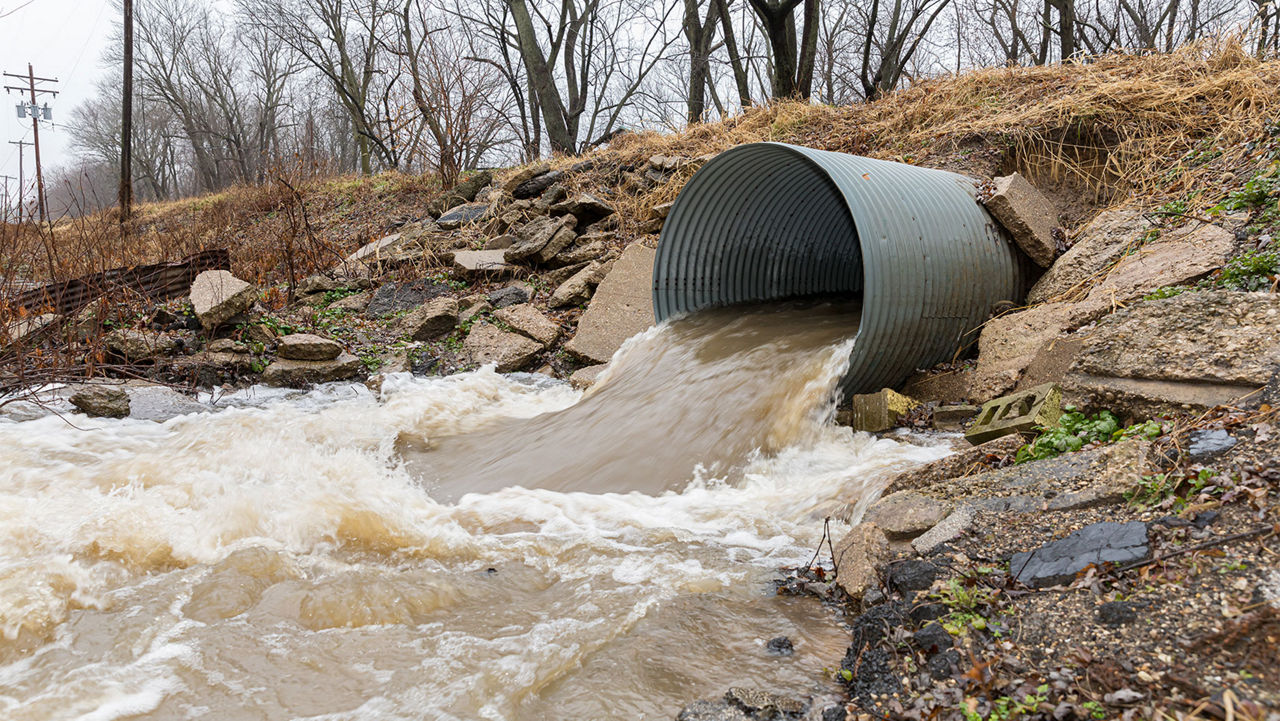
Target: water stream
471,547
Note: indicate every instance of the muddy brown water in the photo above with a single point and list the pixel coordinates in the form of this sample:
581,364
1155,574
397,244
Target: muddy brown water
472,547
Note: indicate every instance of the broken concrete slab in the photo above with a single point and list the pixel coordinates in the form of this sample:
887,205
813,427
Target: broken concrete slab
585,377
300,373
1189,352
1098,246
621,307
578,287
536,235
489,263
535,186
524,174
586,207
857,556
1094,545
508,351
953,417
876,412
528,321
947,530
431,320
903,515
1019,412
1028,216
957,465
307,346
392,298
140,345
217,296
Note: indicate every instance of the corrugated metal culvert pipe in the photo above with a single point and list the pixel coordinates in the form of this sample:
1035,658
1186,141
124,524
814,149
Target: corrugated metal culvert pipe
770,221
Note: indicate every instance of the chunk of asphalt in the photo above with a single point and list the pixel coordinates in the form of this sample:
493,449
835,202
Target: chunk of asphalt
1210,443
1058,562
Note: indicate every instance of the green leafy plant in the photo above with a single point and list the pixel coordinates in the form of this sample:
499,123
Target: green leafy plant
1251,271
337,294
1006,708
1094,709
1156,489
1075,430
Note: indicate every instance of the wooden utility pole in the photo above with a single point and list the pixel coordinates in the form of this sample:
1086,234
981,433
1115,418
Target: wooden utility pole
34,111
126,119
22,183
7,178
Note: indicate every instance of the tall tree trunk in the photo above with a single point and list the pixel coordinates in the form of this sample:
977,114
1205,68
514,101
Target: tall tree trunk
541,81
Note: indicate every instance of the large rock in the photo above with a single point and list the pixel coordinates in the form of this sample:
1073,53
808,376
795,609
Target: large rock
525,174
140,345
483,263
541,239
586,208
1028,216
621,307
300,373
857,556
405,246
307,346
463,215
102,401
217,296
509,295
1192,351
508,351
905,515
1094,545
529,321
465,191
1097,246
392,298
578,287
534,186
431,320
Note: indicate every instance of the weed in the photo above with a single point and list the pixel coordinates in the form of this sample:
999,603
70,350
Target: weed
445,277
1075,430
1251,271
1006,708
338,294
1094,709
280,327
1173,489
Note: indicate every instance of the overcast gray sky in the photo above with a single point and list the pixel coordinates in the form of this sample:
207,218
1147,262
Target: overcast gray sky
62,39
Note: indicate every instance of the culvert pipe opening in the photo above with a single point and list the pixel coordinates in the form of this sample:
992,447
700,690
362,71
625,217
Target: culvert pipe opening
770,221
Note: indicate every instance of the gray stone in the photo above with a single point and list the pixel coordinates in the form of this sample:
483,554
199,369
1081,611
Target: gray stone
140,345
1094,545
314,284
472,306
541,238
949,529
1028,216
530,322
621,307
712,711
500,242
357,303
577,254
226,345
509,295
405,246
486,263
306,346
392,298
857,556
578,287
550,197
904,515
586,208
463,215
1098,246
1010,343
217,296
1210,442
102,401
300,373
525,174
431,320
508,351
470,186
534,186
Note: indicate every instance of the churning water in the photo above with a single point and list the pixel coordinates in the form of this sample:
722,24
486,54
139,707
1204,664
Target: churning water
471,547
